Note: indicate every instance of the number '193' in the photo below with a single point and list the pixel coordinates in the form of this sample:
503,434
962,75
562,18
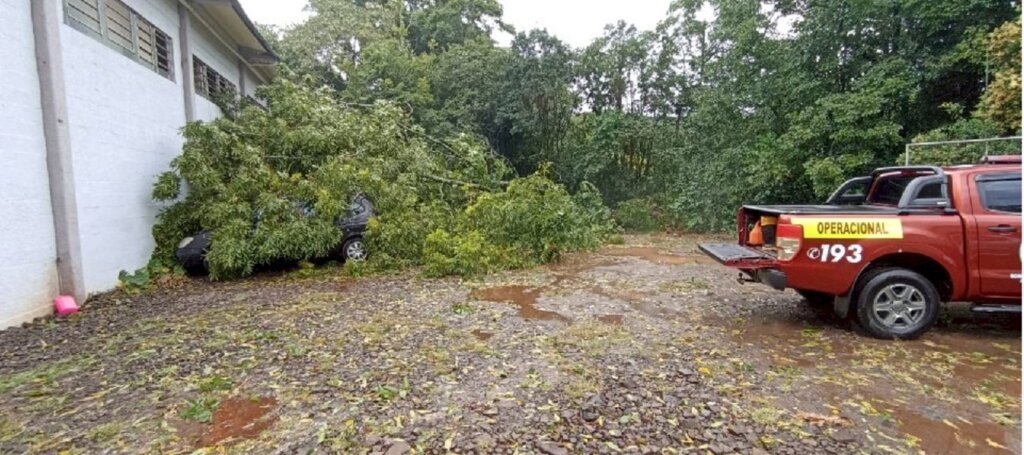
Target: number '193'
836,253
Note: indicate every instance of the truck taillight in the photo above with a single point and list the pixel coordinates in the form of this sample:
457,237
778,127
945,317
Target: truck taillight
788,238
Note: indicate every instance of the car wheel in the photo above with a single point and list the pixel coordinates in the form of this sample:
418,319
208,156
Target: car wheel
815,298
354,249
897,304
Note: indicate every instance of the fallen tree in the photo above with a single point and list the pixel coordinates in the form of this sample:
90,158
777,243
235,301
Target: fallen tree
449,205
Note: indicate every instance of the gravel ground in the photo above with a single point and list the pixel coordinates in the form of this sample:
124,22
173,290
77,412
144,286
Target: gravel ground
639,348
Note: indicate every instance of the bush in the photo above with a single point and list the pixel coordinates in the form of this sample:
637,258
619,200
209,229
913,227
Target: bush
641,215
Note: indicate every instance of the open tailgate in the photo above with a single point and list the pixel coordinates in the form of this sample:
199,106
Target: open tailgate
739,256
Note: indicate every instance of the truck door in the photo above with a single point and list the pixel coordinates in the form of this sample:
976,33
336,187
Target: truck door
998,217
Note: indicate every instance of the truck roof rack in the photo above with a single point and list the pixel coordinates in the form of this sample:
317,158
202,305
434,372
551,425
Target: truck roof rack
885,170
1001,159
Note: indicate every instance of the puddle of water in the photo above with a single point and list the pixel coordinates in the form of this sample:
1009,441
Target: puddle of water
523,297
938,437
238,418
481,335
657,256
613,319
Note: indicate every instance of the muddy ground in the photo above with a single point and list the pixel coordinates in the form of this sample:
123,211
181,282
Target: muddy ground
640,348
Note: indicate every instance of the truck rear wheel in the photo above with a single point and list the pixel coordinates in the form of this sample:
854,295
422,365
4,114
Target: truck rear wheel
897,304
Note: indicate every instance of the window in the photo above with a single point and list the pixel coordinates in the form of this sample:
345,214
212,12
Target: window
888,190
210,83
1000,192
121,28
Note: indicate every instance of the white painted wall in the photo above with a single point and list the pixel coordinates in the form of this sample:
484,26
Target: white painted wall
211,51
124,120
28,273
250,82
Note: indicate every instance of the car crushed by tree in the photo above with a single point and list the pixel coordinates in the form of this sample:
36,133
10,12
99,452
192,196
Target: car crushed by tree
191,252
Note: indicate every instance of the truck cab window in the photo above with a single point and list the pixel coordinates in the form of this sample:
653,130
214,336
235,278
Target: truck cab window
931,191
888,190
1000,195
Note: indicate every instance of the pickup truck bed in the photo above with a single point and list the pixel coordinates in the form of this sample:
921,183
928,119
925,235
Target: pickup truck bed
823,209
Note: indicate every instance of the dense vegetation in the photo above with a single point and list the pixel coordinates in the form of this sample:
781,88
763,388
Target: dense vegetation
724,102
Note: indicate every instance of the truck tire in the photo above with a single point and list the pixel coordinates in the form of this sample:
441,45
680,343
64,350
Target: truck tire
815,298
897,304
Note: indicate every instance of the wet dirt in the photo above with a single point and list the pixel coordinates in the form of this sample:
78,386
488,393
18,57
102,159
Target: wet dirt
524,297
481,335
236,418
613,319
690,338
947,436
982,362
239,418
657,256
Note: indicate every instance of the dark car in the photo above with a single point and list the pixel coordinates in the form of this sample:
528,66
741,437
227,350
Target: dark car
192,250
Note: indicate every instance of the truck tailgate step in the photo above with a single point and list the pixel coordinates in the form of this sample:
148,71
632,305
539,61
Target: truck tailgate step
731,253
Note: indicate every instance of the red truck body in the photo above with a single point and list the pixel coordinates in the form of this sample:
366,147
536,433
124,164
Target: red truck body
951,225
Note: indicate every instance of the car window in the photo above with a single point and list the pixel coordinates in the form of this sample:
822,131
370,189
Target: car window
357,208
1000,193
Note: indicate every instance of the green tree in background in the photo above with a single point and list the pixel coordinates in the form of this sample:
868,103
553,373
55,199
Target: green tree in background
723,102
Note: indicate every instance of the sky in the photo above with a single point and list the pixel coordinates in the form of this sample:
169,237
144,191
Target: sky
576,22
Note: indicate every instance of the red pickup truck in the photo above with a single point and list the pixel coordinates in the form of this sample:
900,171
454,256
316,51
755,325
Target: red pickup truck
887,248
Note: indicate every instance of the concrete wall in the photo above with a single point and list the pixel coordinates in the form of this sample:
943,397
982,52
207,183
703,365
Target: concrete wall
28,274
124,120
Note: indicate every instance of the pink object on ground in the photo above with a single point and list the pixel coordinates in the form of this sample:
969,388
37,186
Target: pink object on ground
65,305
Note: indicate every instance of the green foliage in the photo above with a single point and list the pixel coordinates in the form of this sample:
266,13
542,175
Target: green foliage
641,215
200,409
466,255
698,114
970,128
539,218
134,282
826,174
388,393
1002,101
270,185
533,222
214,384
167,187
462,308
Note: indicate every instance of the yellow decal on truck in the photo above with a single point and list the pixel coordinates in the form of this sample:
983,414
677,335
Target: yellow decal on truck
851,228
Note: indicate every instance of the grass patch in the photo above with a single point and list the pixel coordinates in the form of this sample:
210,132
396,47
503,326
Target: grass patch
462,308
684,285
593,338
42,374
200,409
215,383
107,432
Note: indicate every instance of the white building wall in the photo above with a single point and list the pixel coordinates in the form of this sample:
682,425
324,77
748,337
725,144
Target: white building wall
28,272
211,51
250,83
124,120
